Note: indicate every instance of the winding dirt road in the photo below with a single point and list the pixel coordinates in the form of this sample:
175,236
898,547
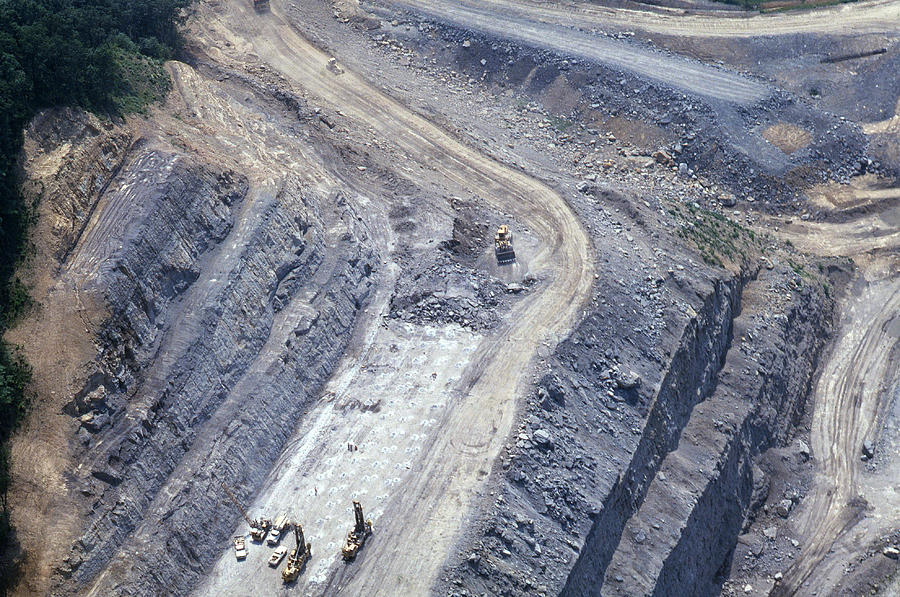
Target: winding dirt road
848,400
876,16
853,390
507,20
417,526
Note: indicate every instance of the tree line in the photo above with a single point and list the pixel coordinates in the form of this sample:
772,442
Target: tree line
101,55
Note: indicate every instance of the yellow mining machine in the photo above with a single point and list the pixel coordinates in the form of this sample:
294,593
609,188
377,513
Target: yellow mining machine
258,528
503,248
357,537
299,556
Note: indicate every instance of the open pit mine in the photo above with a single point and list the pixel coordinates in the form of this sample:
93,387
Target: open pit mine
464,298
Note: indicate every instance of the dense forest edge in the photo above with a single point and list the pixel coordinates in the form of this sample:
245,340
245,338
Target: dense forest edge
105,56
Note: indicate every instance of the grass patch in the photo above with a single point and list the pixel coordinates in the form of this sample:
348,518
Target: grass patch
718,239
559,123
143,81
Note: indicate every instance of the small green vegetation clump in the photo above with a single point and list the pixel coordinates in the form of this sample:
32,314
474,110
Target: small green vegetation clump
102,55
718,239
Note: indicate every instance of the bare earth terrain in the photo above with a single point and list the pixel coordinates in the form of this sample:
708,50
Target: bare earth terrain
282,281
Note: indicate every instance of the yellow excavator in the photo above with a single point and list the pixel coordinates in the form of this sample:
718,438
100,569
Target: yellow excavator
357,537
298,557
503,248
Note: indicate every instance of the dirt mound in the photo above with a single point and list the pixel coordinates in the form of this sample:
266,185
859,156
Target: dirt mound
787,137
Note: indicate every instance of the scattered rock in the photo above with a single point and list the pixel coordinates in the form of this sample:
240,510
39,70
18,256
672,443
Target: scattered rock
784,508
542,438
628,380
803,450
663,157
891,552
868,450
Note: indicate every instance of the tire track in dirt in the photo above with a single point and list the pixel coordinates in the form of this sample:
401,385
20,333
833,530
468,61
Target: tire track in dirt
508,21
877,16
430,509
854,385
848,400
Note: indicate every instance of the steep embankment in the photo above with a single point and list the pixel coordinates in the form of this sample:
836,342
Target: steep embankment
693,511
617,458
216,290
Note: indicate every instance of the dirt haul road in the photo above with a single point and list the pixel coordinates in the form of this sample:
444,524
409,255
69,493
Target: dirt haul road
849,398
856,384
878,16
508,21
475,407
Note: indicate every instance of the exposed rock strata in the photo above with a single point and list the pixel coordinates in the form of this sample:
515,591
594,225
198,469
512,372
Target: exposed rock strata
613,466
694,510
224,307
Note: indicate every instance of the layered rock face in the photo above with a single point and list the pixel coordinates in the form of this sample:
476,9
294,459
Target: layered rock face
223,306
625,483
693,511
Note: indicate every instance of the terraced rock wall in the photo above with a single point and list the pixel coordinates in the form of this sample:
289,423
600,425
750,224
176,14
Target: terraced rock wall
695,507
612,470
225,305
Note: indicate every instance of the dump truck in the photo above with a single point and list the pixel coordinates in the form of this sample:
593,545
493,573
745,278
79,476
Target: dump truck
278,526
299,556
240,547
503,248
357,537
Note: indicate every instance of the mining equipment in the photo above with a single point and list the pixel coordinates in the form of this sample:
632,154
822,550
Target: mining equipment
258,528
240,547
503,248
277,556
299,556
259,532
281,522
357,537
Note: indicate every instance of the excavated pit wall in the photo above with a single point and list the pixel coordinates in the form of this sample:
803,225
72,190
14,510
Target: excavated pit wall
690,378
689,522
191,385
574,489
613,404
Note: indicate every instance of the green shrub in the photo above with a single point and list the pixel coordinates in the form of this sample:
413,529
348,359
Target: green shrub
103,55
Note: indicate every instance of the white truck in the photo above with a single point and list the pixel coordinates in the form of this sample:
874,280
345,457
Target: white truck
277,556
278,526
240,547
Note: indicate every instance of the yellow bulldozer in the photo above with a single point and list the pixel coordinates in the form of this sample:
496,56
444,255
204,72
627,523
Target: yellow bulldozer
298,556
357,537
503,248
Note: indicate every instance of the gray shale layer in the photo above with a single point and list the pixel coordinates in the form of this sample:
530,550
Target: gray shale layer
564,517
237,352
696,506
